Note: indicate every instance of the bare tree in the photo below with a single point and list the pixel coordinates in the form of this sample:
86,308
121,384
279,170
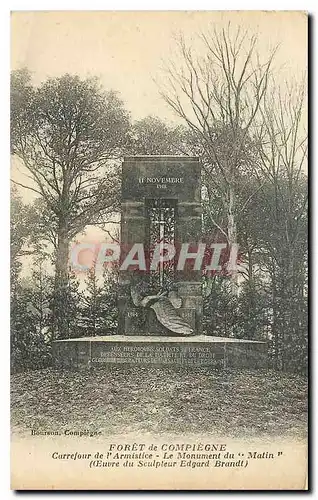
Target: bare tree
219,95
282,148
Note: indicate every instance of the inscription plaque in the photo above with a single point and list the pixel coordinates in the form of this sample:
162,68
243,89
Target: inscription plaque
158,354
200,351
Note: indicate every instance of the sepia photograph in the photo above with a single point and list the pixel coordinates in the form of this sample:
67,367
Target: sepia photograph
159,250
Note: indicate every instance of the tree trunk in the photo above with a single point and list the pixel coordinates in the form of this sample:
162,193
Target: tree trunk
251,293
94,306
60,311
232,235
275,330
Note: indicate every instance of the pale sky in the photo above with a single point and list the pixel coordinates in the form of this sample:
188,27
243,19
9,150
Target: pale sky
126,49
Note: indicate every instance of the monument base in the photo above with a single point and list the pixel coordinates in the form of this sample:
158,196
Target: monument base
196,351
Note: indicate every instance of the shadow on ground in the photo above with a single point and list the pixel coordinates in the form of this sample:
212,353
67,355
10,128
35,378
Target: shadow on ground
118,400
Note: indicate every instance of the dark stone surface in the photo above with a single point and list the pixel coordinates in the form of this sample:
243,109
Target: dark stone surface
170,177
214,352
161,176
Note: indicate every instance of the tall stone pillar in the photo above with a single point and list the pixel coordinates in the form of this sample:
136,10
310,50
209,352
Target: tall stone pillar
189,227
173,178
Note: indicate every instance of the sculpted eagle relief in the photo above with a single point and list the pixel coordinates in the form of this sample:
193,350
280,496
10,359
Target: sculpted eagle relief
165,305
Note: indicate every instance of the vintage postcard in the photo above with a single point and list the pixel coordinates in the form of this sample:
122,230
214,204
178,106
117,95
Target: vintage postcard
159,275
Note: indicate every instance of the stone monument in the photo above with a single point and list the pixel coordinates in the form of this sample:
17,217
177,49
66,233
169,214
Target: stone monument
161,204
160,297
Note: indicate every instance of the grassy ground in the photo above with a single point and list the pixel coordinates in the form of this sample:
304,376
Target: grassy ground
119,400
